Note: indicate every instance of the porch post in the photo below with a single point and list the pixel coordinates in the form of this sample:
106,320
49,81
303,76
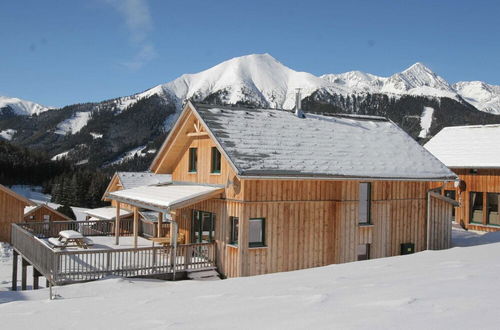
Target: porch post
117,224
14,270
136,226
160,222
173,241
24,266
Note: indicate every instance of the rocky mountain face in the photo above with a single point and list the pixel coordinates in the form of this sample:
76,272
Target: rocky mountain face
130,129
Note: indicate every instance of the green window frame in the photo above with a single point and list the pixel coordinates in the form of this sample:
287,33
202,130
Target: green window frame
257,232
193,160
364,203
476,207
235,228
216,160
492,207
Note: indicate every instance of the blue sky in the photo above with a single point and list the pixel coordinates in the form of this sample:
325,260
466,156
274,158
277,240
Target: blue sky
64,52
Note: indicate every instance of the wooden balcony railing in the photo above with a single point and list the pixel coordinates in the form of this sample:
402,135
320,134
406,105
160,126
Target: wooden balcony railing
64,266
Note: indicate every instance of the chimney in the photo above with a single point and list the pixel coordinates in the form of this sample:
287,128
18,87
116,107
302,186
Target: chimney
298,105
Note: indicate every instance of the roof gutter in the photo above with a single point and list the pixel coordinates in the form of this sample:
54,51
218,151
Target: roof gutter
344,178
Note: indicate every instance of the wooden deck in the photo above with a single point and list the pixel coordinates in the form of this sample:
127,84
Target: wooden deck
81,265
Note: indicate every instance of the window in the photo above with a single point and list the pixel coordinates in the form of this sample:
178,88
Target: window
364,203
363,251
46,217
193,160
493,201
215,160
256,232
451,194
476,207
235,224
203,227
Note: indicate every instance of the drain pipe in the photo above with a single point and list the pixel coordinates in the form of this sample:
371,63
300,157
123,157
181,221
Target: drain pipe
428,218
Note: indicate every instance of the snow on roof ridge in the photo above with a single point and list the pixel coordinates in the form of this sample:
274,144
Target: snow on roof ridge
247,108
472,126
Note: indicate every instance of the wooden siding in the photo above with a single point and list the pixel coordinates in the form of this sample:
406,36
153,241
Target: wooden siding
485,180
310,233
11,211
439,225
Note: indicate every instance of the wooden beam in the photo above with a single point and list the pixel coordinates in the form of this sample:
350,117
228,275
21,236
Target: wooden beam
136,225
197,134
160,222
117,224
14,270
36,279
24,266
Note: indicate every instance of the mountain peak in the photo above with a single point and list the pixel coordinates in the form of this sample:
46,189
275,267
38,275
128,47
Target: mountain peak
418,67
21,107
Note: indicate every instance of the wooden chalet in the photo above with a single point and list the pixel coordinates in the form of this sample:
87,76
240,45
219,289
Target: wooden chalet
256,191
276,191
12,207
42,212
472,153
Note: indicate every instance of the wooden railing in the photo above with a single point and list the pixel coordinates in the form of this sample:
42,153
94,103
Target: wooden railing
64,267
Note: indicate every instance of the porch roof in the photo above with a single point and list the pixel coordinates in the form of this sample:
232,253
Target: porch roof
166,197
106,213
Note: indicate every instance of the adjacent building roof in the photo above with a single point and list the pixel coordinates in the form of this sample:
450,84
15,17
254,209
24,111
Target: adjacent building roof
137,179
107,213
276,143
467,146
167,197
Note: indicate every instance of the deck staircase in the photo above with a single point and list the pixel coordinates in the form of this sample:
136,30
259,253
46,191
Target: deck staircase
205,274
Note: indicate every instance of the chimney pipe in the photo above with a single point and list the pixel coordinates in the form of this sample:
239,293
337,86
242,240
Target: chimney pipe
298,105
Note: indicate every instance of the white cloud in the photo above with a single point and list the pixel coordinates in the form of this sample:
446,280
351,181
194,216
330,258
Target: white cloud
140,24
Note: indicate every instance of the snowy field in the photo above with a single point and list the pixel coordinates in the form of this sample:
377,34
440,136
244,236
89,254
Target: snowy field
452,289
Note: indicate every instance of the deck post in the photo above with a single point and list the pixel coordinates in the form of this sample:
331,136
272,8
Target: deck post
14,270
24,266
160,222
136,226
173,243
117,224
36,277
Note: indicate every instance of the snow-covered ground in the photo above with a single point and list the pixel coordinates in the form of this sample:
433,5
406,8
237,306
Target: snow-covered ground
452,289
7,134
74,124
426,121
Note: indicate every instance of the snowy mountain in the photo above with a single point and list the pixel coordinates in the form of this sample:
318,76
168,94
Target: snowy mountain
417,99
483,96
20,107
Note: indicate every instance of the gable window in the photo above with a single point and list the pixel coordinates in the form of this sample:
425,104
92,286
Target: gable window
364,203
493,200
193,159
476,207
235,224
256,232
451,194
215,160
363,252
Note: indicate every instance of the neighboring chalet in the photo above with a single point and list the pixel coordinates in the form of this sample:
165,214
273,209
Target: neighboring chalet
472,152
277,191
12,207
42,212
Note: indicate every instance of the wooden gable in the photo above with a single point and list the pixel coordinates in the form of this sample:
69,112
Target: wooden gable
113,185
173,158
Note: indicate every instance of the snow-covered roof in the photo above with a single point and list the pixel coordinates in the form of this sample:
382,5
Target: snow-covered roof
276,143
28,209
167,197
137,179
107,213
467,146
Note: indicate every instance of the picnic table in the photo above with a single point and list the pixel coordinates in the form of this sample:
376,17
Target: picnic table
70,238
